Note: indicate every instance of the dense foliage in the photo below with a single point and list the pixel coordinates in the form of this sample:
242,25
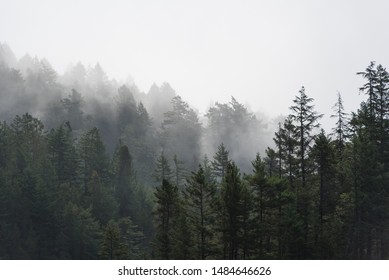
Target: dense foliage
86,176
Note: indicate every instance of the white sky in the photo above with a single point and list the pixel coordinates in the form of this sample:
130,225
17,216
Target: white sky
261,52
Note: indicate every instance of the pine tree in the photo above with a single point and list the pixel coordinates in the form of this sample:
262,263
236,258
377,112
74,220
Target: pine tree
341,131
200,195
180,133
306,120
112,247
79,234
258,180
131,238
103,204
220,162
166,211
179,172
324,158
93,158
124,189
162,169
231,195
62,153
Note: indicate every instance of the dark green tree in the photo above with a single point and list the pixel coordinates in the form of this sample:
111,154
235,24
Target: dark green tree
200,197
112,246
166,211
231,218
93,158
305,120
124,192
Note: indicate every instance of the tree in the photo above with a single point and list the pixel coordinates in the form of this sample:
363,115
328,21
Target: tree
166,211
179,172
162,169
341,126
370,144
124,187
103,204
73,109
79,234
259,181
200,196
126,109
231,195
286,143
324,158
233,124
305,119
112,247
180,132
62,153
220,162
341,131
92,157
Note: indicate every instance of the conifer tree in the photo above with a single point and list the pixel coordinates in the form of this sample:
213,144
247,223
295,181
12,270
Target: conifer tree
92,155
162,169
112,247
200,195
166,211
220,162
231,195
305,120
124,189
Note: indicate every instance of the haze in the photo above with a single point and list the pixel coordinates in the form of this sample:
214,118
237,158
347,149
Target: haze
260,52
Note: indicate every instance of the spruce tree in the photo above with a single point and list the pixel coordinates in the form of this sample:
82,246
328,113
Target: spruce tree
220,162
231,196
166,211
125,185
305,120
200,195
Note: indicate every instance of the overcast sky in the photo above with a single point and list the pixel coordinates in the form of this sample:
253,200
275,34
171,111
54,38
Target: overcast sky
261,52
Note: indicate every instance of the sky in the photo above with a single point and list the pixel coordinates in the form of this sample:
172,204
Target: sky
261,52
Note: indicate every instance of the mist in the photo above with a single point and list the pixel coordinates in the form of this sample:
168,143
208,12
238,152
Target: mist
86,97
130,129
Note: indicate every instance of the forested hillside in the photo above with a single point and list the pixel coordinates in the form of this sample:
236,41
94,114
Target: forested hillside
94,169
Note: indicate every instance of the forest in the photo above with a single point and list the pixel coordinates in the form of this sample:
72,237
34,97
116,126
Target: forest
94,169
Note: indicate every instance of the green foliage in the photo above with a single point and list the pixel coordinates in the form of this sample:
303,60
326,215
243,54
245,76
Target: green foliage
220,162
166,214
79,234
200,203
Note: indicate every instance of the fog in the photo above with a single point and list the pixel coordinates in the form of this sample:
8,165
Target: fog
260,53
129,129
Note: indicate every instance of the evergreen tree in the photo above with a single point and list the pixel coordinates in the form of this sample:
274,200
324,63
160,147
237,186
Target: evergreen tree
341,131
166,211
179,172
73,109
306,120
220,162
79,234
62,153
162,170
131,238
124,189
103,204
231,196
93,158
180,132
200,196
112,247
324,158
